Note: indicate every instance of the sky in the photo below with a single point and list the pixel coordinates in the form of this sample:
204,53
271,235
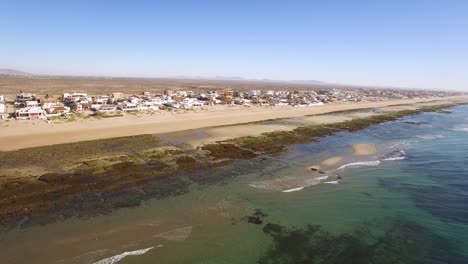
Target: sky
400,43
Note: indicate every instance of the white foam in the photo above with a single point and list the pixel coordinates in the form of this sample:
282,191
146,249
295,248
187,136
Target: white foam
395,158
430,136
293,189
360,163
287,182
117,258
463,128
322,178
332,182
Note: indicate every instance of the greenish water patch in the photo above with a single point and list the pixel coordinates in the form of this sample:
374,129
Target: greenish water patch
387,241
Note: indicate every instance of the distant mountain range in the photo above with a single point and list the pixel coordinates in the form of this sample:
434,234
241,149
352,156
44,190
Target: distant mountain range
237,78
12,72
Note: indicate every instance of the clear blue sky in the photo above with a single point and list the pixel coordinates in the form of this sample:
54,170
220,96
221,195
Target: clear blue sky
406,43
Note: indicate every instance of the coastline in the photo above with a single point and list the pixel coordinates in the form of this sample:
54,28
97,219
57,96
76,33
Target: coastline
94,177
20,135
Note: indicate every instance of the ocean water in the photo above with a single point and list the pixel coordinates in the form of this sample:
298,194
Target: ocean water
408,203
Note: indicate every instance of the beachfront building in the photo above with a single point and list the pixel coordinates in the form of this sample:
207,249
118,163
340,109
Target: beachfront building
3,112
127,106
103,99
157,100
30,113
57,110
172,103
2,98
48,102
107,108
189,103
147,106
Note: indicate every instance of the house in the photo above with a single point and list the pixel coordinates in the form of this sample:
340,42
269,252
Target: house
147,106
83,106
3,111
169,92
74,95
103,99
188,103
181,93
57,110
107,108
172,103
23,97
30,113
228,94
2,98
31,104
117,96
48,102
127,106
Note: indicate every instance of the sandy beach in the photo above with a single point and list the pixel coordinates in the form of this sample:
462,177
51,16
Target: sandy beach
25,134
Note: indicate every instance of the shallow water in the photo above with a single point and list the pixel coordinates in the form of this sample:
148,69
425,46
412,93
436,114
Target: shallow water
411,206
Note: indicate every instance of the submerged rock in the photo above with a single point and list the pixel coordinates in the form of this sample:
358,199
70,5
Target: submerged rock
391,242
256,218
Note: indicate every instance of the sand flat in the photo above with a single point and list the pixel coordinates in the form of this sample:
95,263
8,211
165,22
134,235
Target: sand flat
364,149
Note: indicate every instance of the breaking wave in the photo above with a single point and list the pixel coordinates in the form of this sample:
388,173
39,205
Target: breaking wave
360,163
430,136
332,182
289,183
395,155
463,128
117,258
293,189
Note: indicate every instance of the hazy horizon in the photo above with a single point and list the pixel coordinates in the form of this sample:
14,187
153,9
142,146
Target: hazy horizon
421,44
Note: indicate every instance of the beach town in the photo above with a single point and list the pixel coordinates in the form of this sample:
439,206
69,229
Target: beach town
30,106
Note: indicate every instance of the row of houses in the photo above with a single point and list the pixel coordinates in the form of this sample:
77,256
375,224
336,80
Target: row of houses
30,106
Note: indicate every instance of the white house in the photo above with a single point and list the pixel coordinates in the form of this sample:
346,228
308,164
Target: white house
147,106
3,113
127,106
191,103
74,97
101,100
107,108
57,110
21,97
30,113
31,104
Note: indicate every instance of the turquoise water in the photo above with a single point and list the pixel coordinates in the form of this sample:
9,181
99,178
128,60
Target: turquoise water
412,207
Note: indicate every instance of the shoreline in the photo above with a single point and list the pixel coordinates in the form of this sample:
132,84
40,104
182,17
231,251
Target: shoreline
25,134
95,177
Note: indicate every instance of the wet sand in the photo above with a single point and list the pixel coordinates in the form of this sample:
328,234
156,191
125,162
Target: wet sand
364,149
